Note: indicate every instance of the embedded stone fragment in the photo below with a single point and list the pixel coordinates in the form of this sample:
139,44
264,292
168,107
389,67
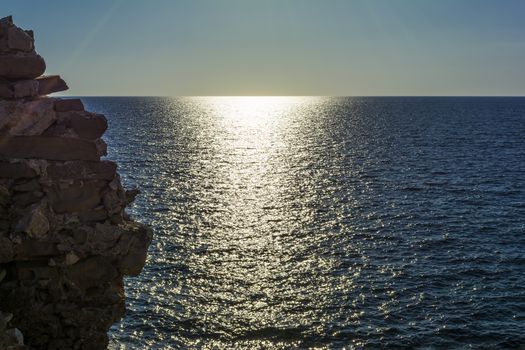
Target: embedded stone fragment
21,66
73,104
82,170
51,148
71,258
49,84
35,224
86,125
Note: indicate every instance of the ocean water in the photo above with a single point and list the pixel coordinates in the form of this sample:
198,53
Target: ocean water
330,223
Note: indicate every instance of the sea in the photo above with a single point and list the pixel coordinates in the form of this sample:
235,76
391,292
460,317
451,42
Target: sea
324,222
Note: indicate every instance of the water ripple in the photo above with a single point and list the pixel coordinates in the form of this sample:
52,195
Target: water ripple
325,222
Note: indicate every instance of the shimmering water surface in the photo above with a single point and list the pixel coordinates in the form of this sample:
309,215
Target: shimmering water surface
324,222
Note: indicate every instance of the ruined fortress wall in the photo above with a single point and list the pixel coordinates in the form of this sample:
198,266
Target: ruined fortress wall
65,239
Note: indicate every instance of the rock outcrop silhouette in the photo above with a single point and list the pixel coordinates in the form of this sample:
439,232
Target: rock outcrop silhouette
65,239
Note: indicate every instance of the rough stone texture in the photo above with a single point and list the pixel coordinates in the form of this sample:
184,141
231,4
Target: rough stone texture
10,338
65,239
86,125
49,84
21,66
16,170
73,104
52,148
26,118
13,38
18,39
103,170
18,89
25,88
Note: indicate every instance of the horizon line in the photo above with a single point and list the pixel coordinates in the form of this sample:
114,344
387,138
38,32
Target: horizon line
354,96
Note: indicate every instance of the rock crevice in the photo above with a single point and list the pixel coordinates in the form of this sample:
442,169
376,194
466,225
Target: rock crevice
66,241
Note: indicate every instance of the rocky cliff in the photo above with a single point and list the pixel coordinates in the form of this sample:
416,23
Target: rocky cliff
65,239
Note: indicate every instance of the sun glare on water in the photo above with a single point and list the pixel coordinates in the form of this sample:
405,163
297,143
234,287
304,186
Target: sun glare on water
251,111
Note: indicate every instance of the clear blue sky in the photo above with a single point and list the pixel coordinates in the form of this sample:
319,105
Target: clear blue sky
280,47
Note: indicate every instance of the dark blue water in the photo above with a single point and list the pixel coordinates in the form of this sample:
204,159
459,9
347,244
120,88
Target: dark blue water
325,222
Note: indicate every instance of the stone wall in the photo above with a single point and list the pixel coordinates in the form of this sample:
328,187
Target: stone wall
65,240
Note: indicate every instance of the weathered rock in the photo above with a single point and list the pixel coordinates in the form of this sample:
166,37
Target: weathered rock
5,197
71,258
77,197
26,186
6,250
16,336
102,147
60,130
35,223
50,84
13,38
10,338
26,118
91,272
73,104
82,170
139,238
21,66
19,40
25,88
65,239
16,170
25,199
30,248
52,148
131,195
6,90
18,89
94,215
113,202
87,125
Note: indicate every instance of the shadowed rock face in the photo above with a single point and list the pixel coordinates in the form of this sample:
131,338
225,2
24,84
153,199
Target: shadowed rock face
65,239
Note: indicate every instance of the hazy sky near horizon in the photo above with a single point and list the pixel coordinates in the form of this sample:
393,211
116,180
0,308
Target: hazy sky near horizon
280,47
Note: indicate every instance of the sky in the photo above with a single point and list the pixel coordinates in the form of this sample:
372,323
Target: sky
280,47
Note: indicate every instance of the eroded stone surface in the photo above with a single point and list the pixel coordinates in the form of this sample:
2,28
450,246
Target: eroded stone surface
21,66
26,118
86,125
50,84
52,148
72,104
